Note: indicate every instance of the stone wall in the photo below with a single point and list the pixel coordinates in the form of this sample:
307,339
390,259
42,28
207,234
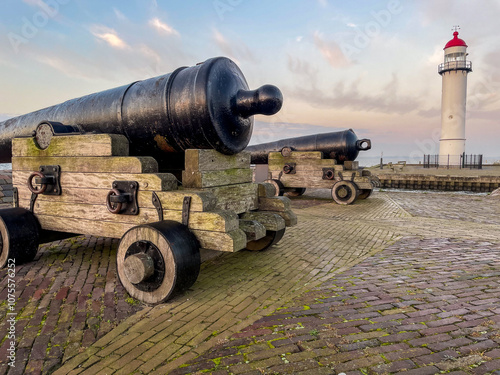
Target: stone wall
6,188
440,182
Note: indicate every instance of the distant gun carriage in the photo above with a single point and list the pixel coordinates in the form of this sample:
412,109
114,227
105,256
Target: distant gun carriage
317,161
108,164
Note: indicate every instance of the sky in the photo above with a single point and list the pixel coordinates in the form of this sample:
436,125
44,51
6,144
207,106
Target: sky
366,65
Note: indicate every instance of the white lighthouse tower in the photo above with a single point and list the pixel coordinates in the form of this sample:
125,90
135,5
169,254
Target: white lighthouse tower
454,71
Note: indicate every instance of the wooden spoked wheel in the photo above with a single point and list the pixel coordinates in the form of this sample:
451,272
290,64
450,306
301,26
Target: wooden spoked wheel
345,192
278,187
295,192
158,260
364,193
271,238
19,236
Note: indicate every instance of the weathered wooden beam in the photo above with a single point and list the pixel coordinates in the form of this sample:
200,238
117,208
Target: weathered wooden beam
210,160
218,221
364,185
270,220
289,217
274,204
89,227
170,200
238,198
94,164
74,145
230,242
305,164
149,182
197,180
351,165
296,155
253,229
314,179
266,190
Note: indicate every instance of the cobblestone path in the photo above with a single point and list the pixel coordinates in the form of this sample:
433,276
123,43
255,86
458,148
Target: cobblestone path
428,304
298,307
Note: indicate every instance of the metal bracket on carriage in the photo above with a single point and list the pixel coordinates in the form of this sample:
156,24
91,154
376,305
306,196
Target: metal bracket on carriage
15,196
186,205
157,204
49,179
289,168
329,174
122,199
32,202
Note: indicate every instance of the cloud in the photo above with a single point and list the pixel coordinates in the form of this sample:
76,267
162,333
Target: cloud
430,113
36,3
120,15
234,50
109,36
302,67
349,95
264,132
331,51
162,28
64,66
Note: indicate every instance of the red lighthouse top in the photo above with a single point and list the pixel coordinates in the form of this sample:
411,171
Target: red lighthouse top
455,42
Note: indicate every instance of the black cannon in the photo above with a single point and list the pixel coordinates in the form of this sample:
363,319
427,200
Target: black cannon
207,106
96,166
315,161
341,146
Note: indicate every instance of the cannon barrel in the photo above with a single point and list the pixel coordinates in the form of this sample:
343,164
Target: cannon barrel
204,106
341,146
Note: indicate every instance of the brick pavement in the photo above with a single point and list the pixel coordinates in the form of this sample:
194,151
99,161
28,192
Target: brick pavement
422,306
230,319
234,290
450,206
428,304
68,297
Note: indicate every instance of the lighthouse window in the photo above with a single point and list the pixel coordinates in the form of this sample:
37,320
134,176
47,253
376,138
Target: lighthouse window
458,56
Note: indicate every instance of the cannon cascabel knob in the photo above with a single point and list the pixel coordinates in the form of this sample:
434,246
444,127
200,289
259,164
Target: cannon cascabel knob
266,100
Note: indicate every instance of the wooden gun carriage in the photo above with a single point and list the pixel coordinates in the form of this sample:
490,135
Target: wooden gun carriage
322,161
68,182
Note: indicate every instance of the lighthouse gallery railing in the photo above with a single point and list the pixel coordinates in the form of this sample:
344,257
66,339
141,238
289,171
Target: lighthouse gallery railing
455,65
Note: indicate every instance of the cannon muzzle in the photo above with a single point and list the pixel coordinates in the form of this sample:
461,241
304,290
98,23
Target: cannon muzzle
208,105
341,146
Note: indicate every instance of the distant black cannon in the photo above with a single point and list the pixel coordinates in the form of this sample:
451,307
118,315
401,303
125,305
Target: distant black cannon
341,146
316,161
206,106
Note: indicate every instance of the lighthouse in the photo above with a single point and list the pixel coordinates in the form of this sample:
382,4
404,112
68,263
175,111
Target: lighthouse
454,72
